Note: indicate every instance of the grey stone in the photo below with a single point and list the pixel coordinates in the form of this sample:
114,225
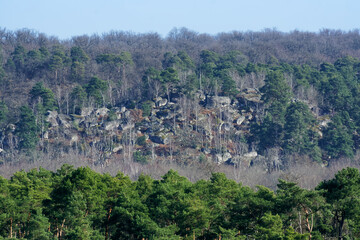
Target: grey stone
111,126
86,111
64,120
52,118
218,101
126,126
240,120
117,149
161,102
101,111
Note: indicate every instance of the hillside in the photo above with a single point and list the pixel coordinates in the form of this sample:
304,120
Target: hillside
265,102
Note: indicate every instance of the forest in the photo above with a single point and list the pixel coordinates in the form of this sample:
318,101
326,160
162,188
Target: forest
83,204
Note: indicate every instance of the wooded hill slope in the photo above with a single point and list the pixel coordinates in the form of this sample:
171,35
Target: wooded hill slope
121,100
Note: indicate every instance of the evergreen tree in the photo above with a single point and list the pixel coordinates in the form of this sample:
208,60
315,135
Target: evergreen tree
26,129
299,135
337,140
44,97
343,193
95,89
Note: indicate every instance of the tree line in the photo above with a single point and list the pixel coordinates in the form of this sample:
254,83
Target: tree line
82,204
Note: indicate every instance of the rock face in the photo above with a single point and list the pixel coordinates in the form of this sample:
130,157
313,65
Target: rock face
52,118
218,101
200,125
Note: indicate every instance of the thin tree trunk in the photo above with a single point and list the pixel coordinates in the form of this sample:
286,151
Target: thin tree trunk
11,227
107,224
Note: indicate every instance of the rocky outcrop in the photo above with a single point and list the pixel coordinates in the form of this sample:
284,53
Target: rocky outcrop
218,101
182,125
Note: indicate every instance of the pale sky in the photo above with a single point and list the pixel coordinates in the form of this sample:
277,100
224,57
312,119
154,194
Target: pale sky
65,19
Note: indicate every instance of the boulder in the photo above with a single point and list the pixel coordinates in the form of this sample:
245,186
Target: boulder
112,125
64,120
218,101
126,114
117,149
226,127
161,102
156,139
240,120
126,125
101,111
46,135
221,158
74,138
11,127
86,111
252,154
164,114
52,118
200,95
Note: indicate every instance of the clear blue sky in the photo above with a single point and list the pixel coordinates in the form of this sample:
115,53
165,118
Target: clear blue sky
64,18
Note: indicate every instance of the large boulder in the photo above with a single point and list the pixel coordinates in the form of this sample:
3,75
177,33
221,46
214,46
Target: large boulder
218,101
221,158
117,149
52,118
161,102
101,112
112,125
64,120
200,95
240,120
157,139
86,111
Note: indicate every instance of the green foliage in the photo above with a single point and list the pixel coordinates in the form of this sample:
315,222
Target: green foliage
141,141
299,134
276,93
78,97
82,204
113,64
146,107
3,113
140,157
337,140
78,55
343,193
77,71
270,228
43,96
18,57
95,89
26,129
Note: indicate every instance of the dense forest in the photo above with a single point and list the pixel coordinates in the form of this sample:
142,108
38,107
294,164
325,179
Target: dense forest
235,102
83,204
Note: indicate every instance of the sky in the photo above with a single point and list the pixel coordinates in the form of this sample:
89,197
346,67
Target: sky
69,18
